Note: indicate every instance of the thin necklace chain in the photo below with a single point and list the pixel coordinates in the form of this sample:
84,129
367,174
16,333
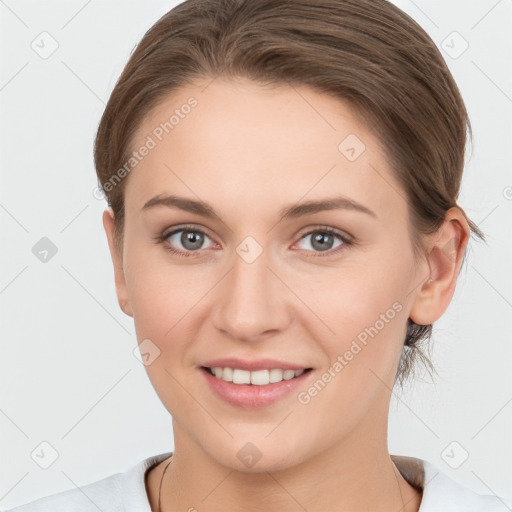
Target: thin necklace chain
169,463
160,488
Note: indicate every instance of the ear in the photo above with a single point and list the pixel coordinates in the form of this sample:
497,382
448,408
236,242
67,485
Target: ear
117,260
445,253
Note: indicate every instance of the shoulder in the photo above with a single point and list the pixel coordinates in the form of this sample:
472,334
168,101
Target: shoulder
121,492
102,495
442,492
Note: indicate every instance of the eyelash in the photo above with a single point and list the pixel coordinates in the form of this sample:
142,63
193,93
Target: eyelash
347,241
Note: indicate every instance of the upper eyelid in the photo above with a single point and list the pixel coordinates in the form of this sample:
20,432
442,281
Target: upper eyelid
187,227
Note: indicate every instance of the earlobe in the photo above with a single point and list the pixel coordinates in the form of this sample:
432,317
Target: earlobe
117,261
446,252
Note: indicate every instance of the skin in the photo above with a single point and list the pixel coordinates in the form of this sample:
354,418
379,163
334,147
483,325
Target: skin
249,151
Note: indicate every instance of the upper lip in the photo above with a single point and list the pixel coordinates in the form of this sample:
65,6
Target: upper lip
252,364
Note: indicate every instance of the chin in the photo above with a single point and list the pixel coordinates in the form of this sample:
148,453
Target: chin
254,455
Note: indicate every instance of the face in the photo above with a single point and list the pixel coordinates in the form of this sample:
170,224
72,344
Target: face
325,290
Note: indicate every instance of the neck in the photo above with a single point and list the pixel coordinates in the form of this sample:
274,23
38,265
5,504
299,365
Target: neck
349,476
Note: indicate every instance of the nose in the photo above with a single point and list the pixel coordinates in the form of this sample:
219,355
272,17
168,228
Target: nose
252,302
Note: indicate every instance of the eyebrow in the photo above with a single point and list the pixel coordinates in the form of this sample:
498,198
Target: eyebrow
289,212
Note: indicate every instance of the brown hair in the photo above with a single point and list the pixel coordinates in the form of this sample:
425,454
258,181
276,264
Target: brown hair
367,53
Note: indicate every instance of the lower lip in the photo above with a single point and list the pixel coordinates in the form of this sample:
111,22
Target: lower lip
250,396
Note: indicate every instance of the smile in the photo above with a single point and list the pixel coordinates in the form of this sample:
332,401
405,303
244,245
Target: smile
256,378
253,389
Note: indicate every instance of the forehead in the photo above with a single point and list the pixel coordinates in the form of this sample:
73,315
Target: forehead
238,142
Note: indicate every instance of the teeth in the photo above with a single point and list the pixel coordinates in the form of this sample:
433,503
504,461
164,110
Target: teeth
227,374
239,376
257,378
260,377
276,375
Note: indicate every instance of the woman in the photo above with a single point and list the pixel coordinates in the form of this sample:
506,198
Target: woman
282,181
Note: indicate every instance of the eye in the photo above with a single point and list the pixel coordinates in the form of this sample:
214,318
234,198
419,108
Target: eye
190,238
322,240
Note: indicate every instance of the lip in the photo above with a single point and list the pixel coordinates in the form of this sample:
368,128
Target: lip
249,396
252,364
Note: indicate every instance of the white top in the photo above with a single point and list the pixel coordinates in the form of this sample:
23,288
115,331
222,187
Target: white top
126,492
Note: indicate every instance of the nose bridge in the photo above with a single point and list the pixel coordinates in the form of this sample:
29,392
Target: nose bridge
251,301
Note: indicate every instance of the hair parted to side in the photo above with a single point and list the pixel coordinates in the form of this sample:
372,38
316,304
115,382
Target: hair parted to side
367,53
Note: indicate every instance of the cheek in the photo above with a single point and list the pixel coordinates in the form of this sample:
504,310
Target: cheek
360,314
161,292
366,324
165,303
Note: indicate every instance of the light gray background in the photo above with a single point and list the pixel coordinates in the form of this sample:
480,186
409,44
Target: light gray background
68,375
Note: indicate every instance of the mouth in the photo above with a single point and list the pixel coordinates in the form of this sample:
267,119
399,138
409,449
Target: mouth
256,388
264,377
